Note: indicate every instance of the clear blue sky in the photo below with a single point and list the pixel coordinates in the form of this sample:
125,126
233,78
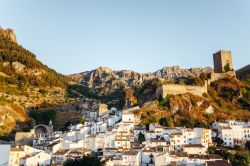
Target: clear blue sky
141,35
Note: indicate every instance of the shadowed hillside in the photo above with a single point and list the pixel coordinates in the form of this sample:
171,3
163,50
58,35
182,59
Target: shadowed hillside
24,82
244,74
226,99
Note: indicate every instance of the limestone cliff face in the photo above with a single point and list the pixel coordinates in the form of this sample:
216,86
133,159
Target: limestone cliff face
8,33
103,77
131,87
175,72
9,115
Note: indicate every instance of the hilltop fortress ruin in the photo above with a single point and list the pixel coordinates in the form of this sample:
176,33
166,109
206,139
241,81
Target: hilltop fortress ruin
223,68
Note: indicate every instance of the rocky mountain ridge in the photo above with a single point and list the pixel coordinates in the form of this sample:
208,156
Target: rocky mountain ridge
243,72
27,83
104,77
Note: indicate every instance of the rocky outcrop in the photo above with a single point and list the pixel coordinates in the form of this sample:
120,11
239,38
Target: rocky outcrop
9,115
18,67
104,78
8,33
175,72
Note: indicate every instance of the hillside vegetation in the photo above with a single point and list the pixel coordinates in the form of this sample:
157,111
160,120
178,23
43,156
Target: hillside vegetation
27,84
24,83
226,99
244,74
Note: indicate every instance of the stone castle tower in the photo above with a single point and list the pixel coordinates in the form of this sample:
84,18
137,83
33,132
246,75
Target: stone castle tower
223,66
222,58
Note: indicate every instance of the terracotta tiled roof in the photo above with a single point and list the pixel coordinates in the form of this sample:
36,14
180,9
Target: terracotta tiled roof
218,163
196,156
16,149
156,140
225,127
194,146
61,152
130,152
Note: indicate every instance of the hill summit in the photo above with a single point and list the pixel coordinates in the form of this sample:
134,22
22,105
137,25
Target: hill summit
24,82
8,33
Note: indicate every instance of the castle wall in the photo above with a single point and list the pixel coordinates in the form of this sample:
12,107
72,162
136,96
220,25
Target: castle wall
217,76
24,135
175,89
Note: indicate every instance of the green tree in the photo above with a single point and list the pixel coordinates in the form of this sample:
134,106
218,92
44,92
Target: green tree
197,81
201,125
42,117
227,67
88,160
219,142
211,150
229,93
141,137
241,158
43,91
166,121
247,145
81,120
204,76
188,122
165,102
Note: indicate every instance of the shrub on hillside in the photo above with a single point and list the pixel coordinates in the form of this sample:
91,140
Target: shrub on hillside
84,161
42,117
166,121
12,52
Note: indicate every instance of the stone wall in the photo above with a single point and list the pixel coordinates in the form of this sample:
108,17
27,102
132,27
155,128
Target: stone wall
175,89
24,135
103,109
217,76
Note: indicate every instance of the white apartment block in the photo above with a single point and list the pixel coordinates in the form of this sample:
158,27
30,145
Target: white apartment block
233,132
98,127
28,156
126,158
123,139
40,158
198,136
100,141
